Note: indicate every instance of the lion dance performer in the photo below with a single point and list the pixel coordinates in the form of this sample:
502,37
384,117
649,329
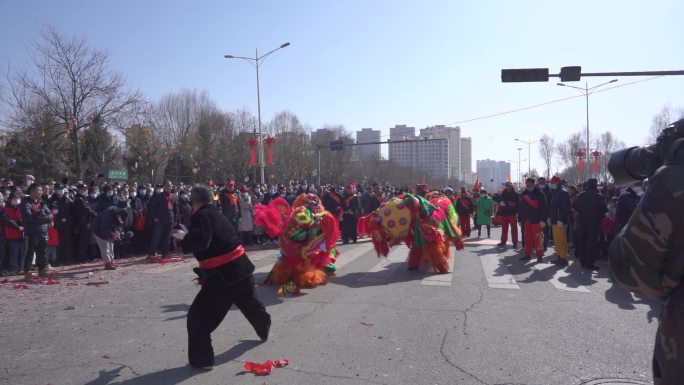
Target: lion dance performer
428,226
307,242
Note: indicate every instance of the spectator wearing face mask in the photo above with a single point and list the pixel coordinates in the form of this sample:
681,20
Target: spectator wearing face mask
559,217
83,214
53,237
160,216
107,199
63,222
14,232
544,188
36,217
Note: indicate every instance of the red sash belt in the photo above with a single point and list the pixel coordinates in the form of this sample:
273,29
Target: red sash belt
530,201
215,262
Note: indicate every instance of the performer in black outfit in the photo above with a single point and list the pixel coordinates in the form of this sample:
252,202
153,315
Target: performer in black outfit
225,274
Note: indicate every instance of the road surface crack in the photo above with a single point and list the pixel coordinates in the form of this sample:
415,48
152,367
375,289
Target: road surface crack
444,356
465,313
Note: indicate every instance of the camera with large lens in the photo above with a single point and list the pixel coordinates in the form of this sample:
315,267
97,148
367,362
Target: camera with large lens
634,164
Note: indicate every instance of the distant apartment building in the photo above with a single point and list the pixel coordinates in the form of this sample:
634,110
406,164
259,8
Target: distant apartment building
466,174
368,151
431,157
493,173
453,137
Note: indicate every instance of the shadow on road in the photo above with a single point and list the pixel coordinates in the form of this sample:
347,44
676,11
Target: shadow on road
173,375
626,301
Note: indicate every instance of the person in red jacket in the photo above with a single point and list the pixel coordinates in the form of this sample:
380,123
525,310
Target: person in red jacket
14,231
508,210
534,213
53,237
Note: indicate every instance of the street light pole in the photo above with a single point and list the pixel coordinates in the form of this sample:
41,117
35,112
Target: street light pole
519,175
255,61
586,93
529,154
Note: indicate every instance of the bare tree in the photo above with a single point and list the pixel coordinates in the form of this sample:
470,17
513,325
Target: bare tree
73,83
606,144
567,152
663,119
547,150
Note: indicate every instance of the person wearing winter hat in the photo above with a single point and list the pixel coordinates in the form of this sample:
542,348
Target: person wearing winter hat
559,216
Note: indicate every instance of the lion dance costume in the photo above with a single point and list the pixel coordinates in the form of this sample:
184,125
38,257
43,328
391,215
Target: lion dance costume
428,226
308,234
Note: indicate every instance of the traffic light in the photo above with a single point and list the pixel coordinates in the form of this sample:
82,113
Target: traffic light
570,74
525,75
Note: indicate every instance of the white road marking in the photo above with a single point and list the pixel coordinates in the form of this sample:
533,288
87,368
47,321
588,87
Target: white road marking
490,264
345,257
571,284
438,279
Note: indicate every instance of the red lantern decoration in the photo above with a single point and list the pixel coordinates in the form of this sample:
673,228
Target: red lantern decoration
596,156
269,142
580,155
252,142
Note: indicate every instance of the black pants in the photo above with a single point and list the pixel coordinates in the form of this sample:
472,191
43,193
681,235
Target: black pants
349,226
210,307
161,238
587,244
479,229
37,244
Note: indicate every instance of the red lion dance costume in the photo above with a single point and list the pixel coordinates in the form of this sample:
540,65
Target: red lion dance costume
426,226
308,235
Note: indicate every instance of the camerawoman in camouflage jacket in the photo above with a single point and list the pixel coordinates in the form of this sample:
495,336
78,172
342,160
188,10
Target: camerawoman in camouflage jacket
647,257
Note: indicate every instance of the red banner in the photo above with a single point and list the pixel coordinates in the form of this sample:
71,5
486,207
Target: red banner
252,142
580,155
597,156
269,142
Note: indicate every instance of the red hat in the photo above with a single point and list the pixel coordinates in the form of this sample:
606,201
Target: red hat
351,186
556,179
210,183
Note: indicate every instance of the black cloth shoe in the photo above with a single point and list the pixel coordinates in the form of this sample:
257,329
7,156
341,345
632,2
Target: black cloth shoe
515,245
560,262
540,260
263,333
501,244
591,267
525,258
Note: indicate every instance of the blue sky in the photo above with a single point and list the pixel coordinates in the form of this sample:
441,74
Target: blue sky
380,63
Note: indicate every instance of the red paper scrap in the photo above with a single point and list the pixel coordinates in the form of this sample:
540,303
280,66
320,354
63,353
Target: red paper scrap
20,286
265,368
106,357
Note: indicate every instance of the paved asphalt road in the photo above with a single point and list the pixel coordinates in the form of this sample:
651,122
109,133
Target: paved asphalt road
494,320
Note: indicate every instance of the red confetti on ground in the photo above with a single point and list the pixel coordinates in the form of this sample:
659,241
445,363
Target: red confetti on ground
20,286
106,357
171,259
367,324
265,368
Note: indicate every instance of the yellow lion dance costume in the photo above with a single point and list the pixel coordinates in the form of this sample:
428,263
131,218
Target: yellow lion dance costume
427,226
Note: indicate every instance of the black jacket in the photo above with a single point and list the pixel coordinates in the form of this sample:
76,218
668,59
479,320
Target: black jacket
560,207
210,235
527,210
591,208
35,216
161,208
230,205
626,204
511,200
83,214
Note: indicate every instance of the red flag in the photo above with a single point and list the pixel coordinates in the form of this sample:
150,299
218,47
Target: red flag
252,142
477,183
269,142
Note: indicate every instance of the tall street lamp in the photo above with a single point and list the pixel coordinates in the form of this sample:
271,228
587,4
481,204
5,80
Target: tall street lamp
519,176
585,92
256,61
529,154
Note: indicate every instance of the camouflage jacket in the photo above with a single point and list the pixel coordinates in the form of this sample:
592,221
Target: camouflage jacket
647,255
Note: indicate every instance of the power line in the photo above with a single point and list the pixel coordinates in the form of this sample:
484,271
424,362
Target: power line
545,103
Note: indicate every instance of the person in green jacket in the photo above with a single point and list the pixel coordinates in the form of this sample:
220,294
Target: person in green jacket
485,209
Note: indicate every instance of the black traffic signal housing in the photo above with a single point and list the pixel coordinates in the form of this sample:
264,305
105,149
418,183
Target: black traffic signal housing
525,75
